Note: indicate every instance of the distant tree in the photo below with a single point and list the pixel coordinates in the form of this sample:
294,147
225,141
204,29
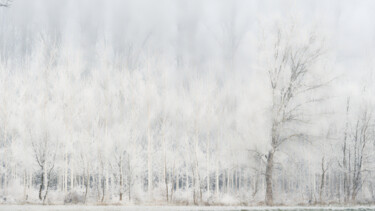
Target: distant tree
45,154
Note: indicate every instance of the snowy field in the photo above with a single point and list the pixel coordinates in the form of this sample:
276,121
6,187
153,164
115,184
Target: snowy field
160,208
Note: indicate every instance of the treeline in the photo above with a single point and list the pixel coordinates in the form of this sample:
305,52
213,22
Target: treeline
154,133
268,120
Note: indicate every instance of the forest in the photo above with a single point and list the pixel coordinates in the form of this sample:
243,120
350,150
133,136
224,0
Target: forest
187,102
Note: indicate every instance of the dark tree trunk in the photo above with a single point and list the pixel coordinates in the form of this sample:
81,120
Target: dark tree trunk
103,182
129,179
321,186
45,194
269,169
121,178
87,185
41,186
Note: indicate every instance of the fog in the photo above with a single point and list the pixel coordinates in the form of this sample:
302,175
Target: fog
199,32
187,102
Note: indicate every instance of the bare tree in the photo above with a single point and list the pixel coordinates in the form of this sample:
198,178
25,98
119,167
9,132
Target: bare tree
345,155
290,71
325,167
363,133
356,148
45,154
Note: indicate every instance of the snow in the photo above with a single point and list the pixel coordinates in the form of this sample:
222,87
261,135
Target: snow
185,103
161,208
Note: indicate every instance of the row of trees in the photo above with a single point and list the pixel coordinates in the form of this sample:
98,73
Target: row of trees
140,127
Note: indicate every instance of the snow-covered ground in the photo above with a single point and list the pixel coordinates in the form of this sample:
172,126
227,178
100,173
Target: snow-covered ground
161,208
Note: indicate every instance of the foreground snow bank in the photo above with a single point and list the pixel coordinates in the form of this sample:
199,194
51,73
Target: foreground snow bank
161,208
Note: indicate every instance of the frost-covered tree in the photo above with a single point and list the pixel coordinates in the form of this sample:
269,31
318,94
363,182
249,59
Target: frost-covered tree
193,103
291,62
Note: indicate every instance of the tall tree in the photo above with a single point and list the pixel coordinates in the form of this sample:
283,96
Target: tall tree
291,62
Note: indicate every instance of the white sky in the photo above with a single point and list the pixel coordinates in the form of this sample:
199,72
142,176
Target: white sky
349,25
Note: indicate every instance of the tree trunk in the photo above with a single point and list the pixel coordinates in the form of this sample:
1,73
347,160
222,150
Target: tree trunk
346,180
149,156
30,180
345,154
87,183
269,169
235,180
172,181
41,185
24,185
71,176
121,178
187,181
177,181
230,176
65,172
165,169
46,187
129,179
239,179
217,179
99,186
226,181
106,183
208,166
322,184
197,176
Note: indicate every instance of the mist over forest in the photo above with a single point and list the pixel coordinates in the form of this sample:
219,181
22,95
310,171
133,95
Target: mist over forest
187,102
